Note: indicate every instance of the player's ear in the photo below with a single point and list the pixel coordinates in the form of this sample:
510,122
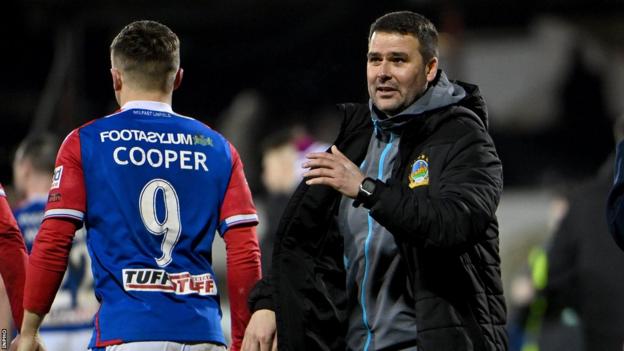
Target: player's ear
178,78
117,82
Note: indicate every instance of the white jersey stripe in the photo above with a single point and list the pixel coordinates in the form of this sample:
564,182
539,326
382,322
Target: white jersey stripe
2,193
241,219
64,212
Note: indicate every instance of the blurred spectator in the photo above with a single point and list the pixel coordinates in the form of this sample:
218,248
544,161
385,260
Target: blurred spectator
283,153
32,176
241,124
579,273
585,129
69,325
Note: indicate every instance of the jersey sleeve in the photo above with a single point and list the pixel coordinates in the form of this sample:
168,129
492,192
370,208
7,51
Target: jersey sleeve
238,207
66,198
243,271
13,258
47,263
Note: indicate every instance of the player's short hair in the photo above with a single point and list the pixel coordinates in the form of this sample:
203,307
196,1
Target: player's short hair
149,53
40,150
407,22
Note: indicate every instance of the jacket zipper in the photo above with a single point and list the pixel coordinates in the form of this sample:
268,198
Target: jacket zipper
380,170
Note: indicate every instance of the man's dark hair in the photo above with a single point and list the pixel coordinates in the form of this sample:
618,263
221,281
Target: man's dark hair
40,150
149,52
407,22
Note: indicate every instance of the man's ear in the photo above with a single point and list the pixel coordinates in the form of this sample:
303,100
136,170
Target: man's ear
117,79
178,78
432,69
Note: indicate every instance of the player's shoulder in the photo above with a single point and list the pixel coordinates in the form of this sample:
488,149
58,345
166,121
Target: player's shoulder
76,131
206,134
110,118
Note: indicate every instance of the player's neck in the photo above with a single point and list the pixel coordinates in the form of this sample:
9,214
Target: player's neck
134,95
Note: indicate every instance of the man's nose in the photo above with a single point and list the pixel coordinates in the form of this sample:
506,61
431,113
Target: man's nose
384,72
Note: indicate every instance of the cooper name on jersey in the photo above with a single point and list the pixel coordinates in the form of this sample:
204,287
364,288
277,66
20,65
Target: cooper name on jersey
176,283
138,156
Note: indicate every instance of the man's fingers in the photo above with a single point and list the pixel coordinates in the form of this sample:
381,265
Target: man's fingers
320,162
274,348
323,181
317,155
319,172
266,345
247,344
255,343
337,152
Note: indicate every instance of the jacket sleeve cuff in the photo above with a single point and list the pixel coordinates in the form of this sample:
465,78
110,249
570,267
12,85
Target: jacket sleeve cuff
264,303
261,296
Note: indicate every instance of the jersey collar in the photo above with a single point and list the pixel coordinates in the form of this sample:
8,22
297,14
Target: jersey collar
147,105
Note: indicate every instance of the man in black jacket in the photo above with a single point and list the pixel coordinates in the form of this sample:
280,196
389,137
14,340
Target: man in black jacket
391,241
582,268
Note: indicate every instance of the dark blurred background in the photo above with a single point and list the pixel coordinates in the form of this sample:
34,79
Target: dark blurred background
548,69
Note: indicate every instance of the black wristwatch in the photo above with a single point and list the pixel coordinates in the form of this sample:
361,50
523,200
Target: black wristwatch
367,188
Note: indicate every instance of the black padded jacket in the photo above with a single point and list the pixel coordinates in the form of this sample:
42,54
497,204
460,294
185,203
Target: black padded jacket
447,234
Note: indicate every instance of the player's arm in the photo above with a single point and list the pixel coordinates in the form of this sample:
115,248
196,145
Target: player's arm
13,258
29,341
238,227
47,263
50,253
243,270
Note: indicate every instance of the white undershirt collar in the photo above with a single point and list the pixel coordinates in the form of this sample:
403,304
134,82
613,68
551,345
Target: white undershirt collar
147,105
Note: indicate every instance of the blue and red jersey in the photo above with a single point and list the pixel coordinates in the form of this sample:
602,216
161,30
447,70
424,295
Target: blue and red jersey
153,188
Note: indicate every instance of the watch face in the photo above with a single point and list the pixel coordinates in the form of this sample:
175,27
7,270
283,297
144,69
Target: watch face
368,186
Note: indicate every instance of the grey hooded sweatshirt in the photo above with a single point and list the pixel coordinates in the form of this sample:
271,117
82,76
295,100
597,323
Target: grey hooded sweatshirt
381,313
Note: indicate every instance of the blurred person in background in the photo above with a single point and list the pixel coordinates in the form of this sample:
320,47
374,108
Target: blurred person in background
391,242
69,324
153,188
577,284
283,153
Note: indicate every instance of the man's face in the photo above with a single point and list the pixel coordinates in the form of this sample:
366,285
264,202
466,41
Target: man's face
395,71
278,169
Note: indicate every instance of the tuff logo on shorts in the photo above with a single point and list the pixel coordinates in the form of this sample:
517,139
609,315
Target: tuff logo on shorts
419,174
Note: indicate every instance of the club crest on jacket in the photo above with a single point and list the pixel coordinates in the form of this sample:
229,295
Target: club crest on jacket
420,172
